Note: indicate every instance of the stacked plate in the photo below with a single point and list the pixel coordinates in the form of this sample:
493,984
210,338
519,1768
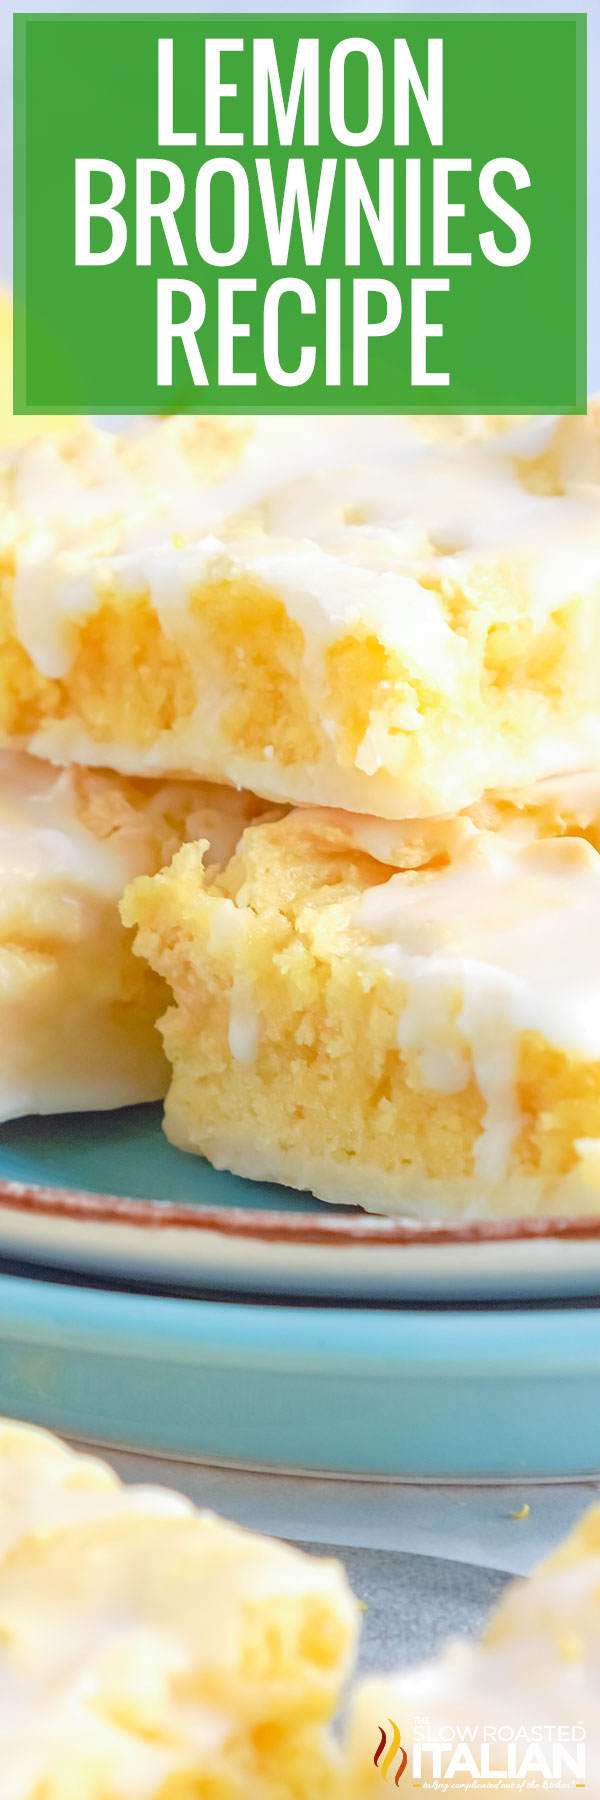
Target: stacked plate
148,1300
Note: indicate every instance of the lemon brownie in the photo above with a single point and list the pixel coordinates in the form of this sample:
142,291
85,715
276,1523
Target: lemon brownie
151,1652
78,1011
405,1016
518,1711
369,613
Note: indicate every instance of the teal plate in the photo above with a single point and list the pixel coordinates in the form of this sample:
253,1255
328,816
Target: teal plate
105,1196
341,1367
361,1391
126,1152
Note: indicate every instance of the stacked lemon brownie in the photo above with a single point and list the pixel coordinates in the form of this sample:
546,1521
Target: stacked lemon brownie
78,1012
520,1710
350,612
151,1652
406,1017
388,991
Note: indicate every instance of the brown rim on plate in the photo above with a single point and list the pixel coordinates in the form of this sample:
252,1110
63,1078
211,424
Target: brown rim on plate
280,1227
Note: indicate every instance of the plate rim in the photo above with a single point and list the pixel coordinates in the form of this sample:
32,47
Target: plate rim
276,1227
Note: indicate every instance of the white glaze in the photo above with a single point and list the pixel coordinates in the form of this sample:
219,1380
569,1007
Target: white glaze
504,939
227,937
43,840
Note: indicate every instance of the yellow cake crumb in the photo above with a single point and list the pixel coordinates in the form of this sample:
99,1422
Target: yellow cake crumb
368,1010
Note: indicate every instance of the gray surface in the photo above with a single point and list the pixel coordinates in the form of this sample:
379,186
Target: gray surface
459,1523
413,1603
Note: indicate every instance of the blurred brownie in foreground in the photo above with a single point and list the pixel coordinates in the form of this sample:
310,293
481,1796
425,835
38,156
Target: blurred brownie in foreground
151,1652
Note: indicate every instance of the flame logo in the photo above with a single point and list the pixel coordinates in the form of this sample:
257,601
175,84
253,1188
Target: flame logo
394,1749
